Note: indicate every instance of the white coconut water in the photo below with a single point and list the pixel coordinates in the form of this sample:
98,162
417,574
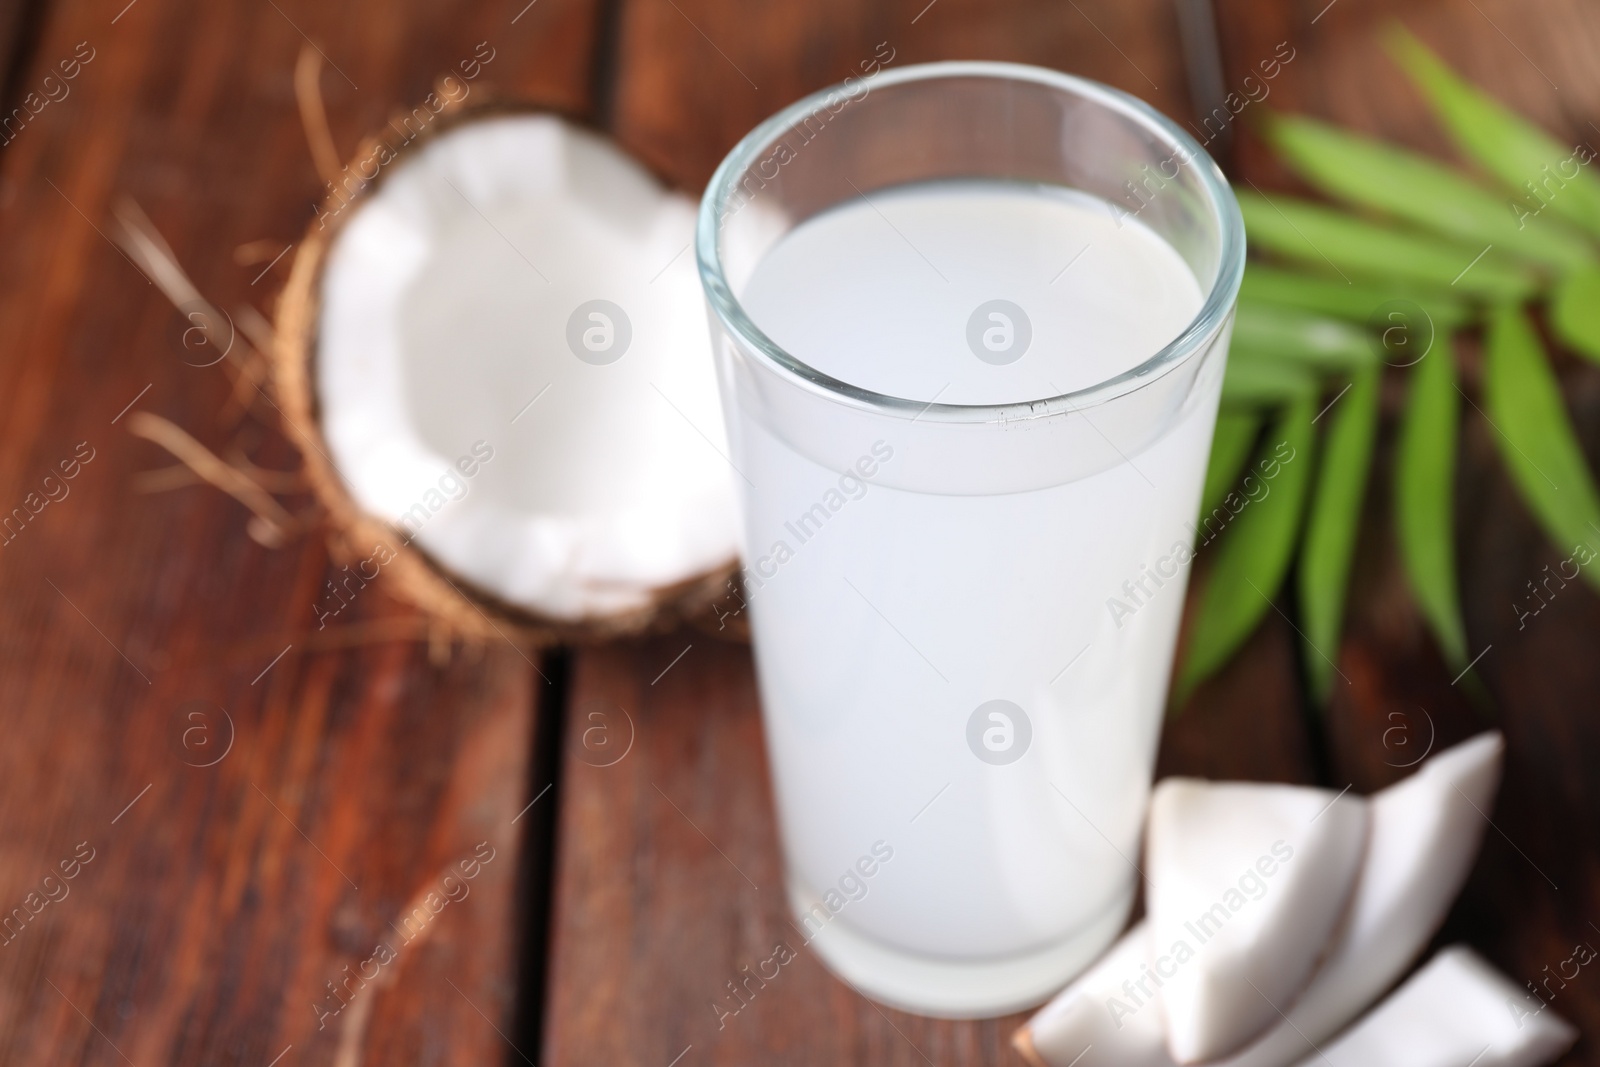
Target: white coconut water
947,677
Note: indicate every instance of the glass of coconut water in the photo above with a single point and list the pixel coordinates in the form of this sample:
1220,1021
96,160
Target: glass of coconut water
970,322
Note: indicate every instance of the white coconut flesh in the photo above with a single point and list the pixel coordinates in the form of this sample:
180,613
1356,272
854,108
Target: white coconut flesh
1425,831
1248,882
1095,1021
1457,1011
1425,834
564,478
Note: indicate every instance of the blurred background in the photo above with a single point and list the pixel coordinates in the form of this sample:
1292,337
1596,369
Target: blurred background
250,802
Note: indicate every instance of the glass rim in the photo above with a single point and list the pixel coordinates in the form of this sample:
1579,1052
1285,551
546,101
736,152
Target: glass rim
1190,340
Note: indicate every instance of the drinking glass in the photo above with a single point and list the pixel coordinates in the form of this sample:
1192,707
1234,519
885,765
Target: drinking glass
964,614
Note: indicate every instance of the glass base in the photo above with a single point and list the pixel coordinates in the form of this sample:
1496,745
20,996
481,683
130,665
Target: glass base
959,989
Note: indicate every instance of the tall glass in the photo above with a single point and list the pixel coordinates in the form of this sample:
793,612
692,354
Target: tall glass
964,614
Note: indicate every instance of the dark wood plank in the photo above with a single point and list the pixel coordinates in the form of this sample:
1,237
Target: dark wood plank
1533,56
1247,722
218,907
1536,890
19,25
695,77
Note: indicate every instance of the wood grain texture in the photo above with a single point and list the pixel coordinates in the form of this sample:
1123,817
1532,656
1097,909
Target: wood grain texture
350,779
221,900
692,78
1535,57
18,33
1248,721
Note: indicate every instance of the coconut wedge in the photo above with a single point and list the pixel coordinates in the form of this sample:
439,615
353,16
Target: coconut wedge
1424,834
1082,1026
512,374
1248,882
1455,1012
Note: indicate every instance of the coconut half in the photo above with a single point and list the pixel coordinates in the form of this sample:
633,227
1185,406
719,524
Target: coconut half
1248,882
1455,1012
1425,831
512,380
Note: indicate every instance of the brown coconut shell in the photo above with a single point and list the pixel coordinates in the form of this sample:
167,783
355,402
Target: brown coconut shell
709,600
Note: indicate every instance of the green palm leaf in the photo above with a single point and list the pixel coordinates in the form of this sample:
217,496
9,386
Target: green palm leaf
1344,300
1333,524
1502,142
1315,341
1231,442
1322,237
1536,438
1254,555
1575,312
1371,174
1424,500
1256,380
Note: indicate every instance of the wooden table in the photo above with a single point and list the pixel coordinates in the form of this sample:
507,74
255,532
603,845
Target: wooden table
251,808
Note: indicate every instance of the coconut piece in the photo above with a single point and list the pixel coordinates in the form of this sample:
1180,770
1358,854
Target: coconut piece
1455,1012
512,374
1424,833
1248,882
1089,1022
